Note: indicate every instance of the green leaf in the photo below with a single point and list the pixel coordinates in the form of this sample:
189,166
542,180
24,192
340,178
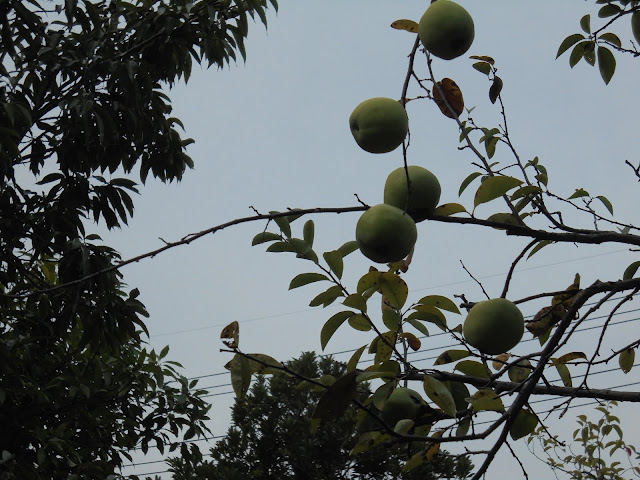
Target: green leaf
472,368
283,224
463,427
308,232
626,359
609,10
451,356
418,326
360,322
392,287
352,364
441,302
279,247
334,260
264,364
391,319
303,249
332,325
336,399
415,461
428,313
590,53
577,53
611,38
367,441
348,248
488,134
563,371
448,209
635,25
265,237
482,67
465,183
240,374
357,301
580,192
539,246
305,279
525,191
585,23
571,356
327,297
384,347
606,64
605,201
465,132
494,93
524,424
569,42
486,399
505,218
630,271
494,187
440,395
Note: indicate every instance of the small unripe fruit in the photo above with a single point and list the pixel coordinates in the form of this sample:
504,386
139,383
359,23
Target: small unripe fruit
403,403
379,125
385,233
421,200
446,29
494,326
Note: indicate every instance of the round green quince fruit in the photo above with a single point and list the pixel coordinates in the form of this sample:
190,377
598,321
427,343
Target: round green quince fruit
379,125
494,326
403,403
446,29
420,199
385,233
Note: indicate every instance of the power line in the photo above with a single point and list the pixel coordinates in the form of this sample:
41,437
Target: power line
493,275
478,423
444,347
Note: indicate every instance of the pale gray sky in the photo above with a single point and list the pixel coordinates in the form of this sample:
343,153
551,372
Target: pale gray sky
273,133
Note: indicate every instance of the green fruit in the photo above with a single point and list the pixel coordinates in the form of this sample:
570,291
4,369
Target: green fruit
494,326
520,371
424,195
635,25
379,124
446,29
403,403
385,233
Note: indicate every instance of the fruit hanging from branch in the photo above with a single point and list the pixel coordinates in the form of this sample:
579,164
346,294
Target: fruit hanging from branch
494,326
385,233
446,29
379,125
420,198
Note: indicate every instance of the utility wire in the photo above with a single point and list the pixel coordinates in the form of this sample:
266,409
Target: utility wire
493,275
477,424
441,347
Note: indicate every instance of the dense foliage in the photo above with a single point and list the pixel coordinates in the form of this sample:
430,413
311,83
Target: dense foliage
270,437
83,105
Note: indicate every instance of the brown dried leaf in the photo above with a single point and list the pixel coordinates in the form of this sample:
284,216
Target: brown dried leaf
231,332
453,96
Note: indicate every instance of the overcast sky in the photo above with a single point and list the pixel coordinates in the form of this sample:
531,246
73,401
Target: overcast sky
273,133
